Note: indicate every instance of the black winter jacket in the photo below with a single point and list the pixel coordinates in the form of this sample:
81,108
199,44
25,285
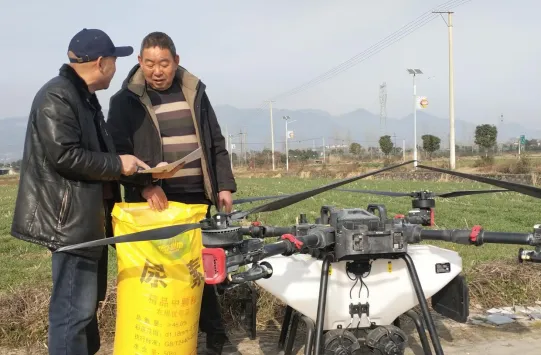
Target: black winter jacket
60,198
134,128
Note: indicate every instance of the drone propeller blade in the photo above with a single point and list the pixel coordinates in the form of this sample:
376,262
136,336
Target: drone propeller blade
406,194
148,235
294,198
254,199
467,192
520,188
374,192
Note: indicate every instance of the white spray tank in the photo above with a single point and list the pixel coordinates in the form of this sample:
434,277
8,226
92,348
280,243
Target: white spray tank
387,289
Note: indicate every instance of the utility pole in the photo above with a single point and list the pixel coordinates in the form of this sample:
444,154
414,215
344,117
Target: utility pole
241,146
449,23
415,72
383,109
324,149
287,119
403,150
500,123
272,133
231,150
227,140
245,148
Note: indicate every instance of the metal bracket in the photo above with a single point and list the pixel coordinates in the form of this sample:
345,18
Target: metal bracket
359,309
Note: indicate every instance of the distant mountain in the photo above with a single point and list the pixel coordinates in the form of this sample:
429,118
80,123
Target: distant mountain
359,126
309,128
12,132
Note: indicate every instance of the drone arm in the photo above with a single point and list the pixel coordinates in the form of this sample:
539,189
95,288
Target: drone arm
287,246
477,236
290,245
257,231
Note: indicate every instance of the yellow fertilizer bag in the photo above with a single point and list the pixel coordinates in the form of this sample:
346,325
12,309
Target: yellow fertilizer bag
160,283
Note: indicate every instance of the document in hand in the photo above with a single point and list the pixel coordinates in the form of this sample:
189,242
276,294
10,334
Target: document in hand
196,154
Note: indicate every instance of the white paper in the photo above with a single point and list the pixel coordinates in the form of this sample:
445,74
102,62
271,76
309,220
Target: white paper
196,154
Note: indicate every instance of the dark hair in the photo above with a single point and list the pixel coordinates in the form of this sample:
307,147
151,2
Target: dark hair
160,40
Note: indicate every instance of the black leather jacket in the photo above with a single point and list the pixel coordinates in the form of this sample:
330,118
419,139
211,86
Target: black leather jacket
68,155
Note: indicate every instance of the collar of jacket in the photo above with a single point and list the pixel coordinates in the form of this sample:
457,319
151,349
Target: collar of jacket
69,73
135,82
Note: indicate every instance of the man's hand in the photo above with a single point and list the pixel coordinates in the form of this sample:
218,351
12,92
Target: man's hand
130,164
166,175
225,199
155,197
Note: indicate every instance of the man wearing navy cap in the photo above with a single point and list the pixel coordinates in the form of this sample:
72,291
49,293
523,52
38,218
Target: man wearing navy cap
69,180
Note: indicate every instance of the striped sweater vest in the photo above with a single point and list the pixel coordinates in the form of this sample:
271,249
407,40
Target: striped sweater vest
178,137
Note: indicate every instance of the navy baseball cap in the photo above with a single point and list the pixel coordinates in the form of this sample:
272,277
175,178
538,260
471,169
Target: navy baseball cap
90,44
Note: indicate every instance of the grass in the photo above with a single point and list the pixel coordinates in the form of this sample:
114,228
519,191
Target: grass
25,263
22,263
494,276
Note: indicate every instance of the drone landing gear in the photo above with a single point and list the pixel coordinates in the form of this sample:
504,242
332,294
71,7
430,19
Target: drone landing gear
292,317
421,330
318,328
249,311
424,309
290,325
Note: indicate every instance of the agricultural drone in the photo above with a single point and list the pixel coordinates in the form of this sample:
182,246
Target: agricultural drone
352,273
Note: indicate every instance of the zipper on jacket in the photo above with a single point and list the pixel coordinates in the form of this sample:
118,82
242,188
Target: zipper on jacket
158,133
64,207
155,128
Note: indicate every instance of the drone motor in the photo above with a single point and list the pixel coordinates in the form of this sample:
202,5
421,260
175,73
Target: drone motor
423,209
218,234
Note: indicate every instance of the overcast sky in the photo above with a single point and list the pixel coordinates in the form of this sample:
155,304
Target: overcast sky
250,51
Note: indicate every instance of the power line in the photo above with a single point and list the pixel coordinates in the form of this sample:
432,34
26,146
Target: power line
404,31
374,49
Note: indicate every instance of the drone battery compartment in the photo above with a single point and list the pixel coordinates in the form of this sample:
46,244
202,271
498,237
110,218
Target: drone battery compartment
363,233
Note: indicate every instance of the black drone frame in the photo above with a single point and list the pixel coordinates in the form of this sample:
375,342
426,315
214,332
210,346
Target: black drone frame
455,309
219,234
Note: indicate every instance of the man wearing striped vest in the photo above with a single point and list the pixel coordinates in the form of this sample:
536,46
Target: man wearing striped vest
161,114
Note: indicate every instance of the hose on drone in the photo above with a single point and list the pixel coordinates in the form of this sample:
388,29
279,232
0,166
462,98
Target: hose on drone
289,245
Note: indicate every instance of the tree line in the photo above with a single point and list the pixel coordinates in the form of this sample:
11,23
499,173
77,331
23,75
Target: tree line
486,136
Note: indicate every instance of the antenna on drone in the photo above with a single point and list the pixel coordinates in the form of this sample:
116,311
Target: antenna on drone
383,108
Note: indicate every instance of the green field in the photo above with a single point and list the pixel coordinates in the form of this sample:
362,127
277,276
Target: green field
495,279
24,263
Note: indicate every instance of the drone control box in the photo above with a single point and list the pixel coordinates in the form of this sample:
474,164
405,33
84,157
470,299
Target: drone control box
361,233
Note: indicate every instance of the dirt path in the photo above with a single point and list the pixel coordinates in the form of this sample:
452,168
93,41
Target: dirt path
464,339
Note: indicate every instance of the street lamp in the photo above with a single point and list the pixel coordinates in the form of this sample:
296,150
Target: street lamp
287,119
414,72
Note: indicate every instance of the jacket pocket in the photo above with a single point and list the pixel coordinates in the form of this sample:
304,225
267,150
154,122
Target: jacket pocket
65,206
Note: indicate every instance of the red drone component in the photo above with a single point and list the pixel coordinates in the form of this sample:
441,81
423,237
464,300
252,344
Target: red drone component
475,233
256,224
292,239
432,217
399,216
214,265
